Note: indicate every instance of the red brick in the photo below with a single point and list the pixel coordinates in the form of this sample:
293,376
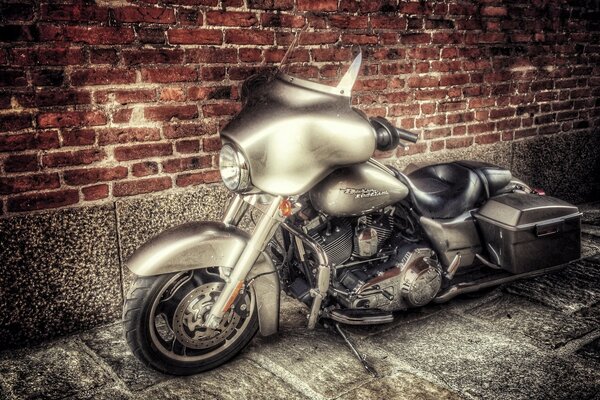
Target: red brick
195,36
321,38
415,38
144,168
126,96
454,79
317,5
423,81
388,22
187,146
95,35
481,128
172,94
211,55
39,140
231,18
122,115
78,137
47,77
49,97
140,186
185,164
332,54
187,130
211,144
492,11
21,163
104,56
152,56
214,74
39,201
271,4
197,178
71,118
136,152
487,139
152,35
348,21
12,78
95,192
47,56
17,12
210,93
250,55
456,143
73,12
26,183
170,74
248,36
68,158
93,175
220,109
167,113
155,15
14,122
19,33
351,38
268,20
102,76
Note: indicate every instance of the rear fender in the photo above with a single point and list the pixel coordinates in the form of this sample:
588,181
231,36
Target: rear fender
210,244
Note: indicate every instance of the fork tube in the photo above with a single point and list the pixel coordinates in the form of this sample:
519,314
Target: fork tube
261,235
235,210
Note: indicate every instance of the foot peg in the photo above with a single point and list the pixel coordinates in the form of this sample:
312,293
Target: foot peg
361,317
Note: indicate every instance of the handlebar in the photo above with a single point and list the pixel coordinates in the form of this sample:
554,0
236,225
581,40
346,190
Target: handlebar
407,135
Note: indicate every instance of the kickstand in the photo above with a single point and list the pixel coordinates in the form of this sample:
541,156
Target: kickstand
362,358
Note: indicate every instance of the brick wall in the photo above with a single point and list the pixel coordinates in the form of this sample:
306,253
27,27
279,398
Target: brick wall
106,99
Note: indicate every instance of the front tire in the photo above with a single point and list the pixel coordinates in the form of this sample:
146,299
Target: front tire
162,318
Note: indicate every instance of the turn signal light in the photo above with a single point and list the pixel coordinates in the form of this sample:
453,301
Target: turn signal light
285,208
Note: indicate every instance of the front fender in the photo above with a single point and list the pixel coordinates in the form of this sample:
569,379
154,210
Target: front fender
210,244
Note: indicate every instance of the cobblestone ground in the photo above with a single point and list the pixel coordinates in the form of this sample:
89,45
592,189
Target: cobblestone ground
534,339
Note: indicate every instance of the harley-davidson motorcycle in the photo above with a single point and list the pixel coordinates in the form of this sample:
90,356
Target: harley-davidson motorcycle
352,239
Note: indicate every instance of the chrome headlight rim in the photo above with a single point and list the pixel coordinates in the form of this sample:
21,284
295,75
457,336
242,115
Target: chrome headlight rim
243,168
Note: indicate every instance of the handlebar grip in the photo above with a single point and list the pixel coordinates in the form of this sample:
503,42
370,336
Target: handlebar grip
407,135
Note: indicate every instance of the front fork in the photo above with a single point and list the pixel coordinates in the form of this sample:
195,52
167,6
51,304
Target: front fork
235,278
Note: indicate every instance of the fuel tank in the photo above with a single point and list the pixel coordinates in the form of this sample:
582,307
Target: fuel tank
357,190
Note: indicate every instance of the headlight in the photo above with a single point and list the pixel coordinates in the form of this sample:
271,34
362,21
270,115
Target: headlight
234,168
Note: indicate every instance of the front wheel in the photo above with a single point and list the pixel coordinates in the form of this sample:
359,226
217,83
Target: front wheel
163,317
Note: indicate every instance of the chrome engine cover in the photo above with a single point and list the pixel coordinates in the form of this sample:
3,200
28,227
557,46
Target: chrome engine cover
411,279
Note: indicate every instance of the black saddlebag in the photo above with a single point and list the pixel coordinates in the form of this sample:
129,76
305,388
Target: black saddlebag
526,232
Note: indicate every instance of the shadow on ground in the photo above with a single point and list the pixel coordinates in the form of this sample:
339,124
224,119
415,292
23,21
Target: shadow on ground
534,339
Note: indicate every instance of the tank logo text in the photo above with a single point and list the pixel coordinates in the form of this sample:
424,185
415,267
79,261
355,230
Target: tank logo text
362,193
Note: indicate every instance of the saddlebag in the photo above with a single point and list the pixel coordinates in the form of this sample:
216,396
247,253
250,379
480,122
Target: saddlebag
526,232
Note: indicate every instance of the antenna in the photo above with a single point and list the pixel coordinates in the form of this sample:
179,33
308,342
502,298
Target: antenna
292,47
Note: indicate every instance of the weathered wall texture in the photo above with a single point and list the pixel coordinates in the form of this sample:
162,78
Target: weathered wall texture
101,100
102,103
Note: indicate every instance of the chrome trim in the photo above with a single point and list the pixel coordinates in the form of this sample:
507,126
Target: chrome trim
469,287
235,210
251,252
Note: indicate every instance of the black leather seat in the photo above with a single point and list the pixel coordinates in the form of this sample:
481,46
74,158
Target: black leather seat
493,177
448,190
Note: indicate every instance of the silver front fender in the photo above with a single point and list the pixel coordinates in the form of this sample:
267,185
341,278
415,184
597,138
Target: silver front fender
210,244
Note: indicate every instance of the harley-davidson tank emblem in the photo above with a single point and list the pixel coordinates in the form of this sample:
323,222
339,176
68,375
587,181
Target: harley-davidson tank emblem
361,193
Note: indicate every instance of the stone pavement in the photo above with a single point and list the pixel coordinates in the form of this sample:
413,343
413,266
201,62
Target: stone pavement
534,339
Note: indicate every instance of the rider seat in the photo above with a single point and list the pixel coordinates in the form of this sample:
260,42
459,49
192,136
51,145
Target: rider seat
448,190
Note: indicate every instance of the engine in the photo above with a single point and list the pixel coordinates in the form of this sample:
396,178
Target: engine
375,267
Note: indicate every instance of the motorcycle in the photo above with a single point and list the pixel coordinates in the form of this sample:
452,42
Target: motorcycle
352,239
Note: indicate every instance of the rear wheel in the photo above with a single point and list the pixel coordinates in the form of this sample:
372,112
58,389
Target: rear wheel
163,317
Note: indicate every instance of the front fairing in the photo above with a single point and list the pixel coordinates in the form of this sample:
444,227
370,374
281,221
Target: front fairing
295,132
